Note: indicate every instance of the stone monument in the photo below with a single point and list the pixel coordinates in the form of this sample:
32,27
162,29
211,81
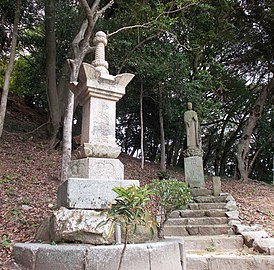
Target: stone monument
95,171
193,161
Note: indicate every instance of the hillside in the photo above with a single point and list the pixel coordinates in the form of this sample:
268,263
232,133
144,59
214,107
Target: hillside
29,177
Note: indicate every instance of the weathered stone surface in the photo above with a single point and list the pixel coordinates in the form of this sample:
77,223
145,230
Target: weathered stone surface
231,206
25,255
196,262
216,185
82,193
175,231
203,213
211,206
200,192
194,173
215,213
49,257
165,256
149,256
77,226
175,214
197,221
216,242
249,237
232,214
229,198
193,206
229,262
108,257
209,199
264,245
96,169
232,262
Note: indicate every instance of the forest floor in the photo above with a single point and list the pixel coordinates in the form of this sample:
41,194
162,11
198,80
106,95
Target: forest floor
30,175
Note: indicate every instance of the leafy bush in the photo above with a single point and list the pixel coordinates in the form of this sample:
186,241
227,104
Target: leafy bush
169,195
130,209
163,175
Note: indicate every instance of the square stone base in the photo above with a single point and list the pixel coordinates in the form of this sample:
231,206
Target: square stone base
194,172
81,193
96,169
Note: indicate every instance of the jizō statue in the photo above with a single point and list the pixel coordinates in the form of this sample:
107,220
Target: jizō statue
193,138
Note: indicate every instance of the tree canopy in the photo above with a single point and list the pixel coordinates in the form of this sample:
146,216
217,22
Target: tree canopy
217,54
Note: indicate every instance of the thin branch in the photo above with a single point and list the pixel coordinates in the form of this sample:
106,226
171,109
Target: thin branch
102,10
145,25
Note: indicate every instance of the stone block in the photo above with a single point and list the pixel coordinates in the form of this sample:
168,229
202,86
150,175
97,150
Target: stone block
209,199
249,237
194,172
69,257
196,262
215,213
231,206
177,221
25,255
206,206
175,214
96,169
232,214
232,262
82,193
216,185
264,245
200,192
108,257
75,225
217,242
164,256
175,231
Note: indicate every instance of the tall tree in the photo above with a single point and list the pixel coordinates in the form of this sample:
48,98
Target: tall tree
51,80
5,91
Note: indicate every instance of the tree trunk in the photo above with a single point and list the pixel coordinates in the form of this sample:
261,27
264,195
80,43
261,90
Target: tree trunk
51,70
4,97
81,48
243,145
142,126
162,132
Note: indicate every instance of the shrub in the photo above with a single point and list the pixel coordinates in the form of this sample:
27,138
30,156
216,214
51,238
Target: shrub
169,195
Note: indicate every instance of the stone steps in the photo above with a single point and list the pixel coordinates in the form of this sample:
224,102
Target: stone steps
210,243
210,199
229,261
185,230
205,206
197,221
199,213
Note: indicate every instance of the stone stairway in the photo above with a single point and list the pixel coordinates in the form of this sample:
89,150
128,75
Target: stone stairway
206,215
213,236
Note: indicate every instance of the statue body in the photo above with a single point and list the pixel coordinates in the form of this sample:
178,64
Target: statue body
193,137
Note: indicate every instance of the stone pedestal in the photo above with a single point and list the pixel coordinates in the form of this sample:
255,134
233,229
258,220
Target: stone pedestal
216,185
96,169
80,193
194,173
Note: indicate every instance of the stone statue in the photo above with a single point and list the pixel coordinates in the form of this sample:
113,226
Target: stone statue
193,137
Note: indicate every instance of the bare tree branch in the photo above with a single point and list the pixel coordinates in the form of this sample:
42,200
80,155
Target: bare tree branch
145,25
102,10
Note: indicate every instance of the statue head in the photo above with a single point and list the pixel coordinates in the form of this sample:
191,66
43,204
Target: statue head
189,106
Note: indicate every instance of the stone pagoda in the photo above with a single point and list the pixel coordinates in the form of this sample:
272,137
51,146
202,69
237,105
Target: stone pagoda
96,169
